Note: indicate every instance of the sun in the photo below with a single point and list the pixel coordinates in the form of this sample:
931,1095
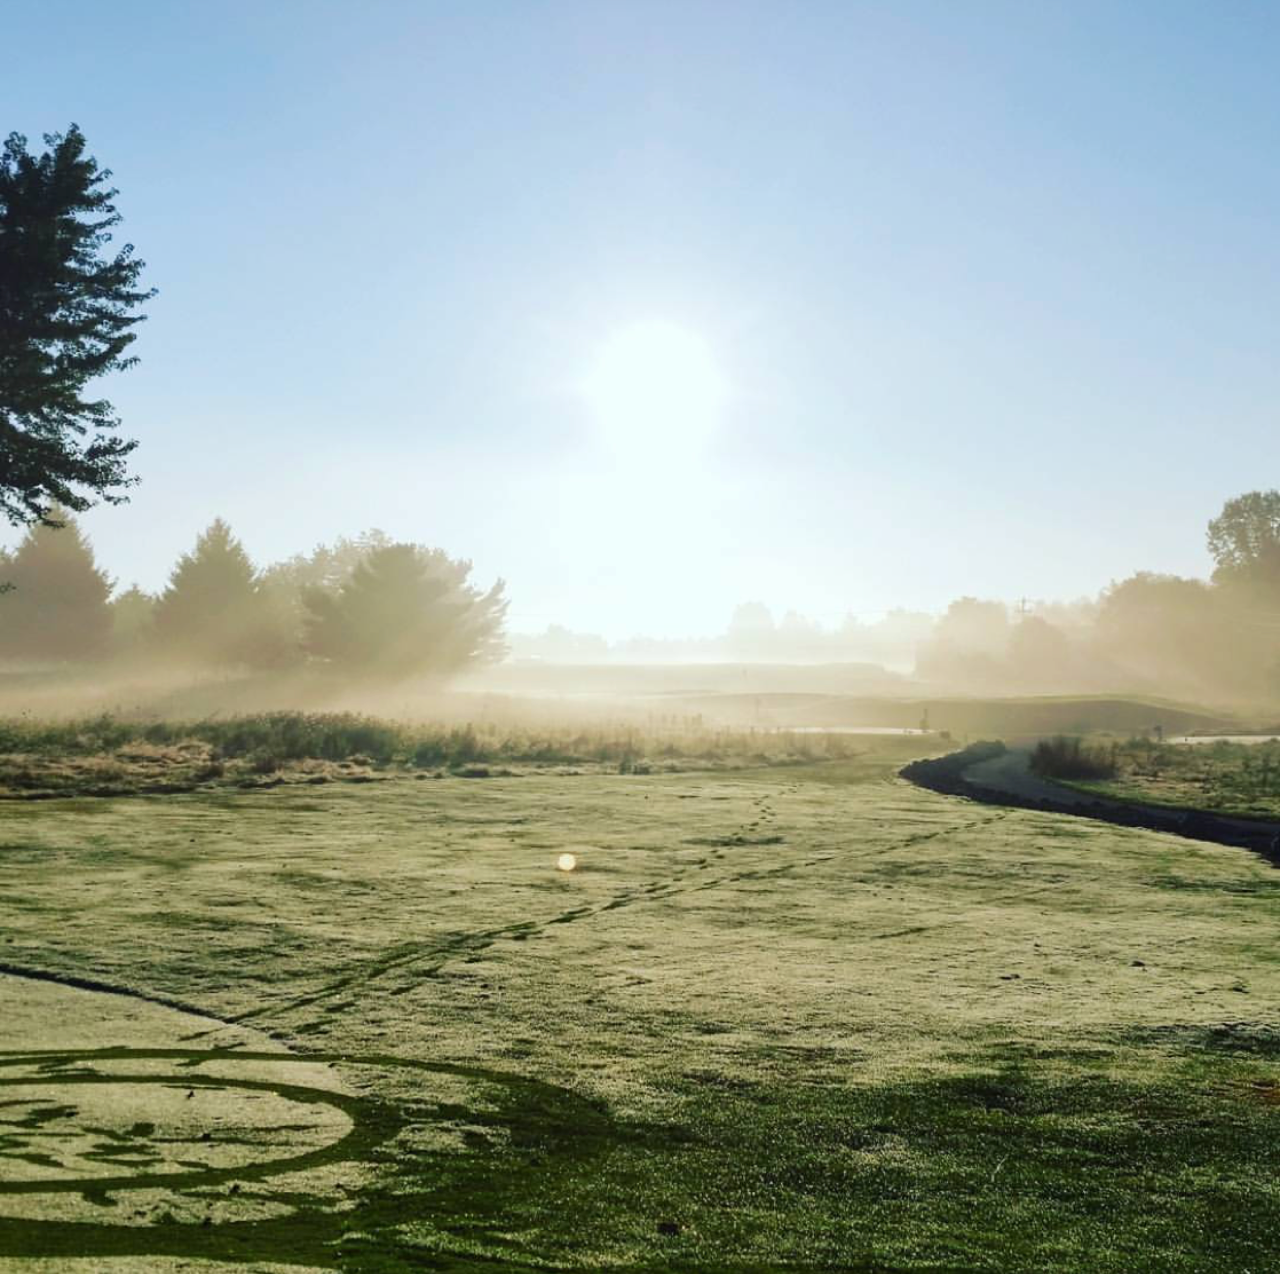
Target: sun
656,385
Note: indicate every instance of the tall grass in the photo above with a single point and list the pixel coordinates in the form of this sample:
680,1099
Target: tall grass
297,736
1227,775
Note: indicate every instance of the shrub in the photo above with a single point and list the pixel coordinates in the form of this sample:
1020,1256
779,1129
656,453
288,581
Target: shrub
1071,758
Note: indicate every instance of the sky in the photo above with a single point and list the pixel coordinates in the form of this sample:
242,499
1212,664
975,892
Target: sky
653,308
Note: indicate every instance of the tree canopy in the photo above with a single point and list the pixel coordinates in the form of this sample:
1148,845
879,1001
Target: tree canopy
1244,540
67,312
405,610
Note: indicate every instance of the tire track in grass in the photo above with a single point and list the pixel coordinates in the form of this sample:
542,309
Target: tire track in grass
429,959
414,954
436,955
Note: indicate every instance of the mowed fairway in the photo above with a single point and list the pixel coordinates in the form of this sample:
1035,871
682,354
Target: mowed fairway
791,1016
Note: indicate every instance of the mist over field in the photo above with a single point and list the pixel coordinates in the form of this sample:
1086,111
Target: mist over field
365,623
639,637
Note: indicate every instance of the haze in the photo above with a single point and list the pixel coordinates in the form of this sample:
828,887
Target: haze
689,677
985,293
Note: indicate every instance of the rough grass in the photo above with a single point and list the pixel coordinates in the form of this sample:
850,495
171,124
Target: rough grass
107,755
810,1017
340,736
1232,778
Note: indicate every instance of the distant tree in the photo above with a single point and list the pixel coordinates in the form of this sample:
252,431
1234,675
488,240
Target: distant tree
329,566
1074,617
67,310
132,621
751,617
975,626
1244,540
1040,654
968,645
1147,604
751,630
405,610
282,585
326,567
560,645
210,613
893,639
1168,632
800,639
58,607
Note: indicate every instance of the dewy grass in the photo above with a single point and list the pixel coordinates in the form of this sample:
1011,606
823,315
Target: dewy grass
804,1017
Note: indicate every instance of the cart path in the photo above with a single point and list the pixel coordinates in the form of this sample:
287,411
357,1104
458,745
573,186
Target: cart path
1004,777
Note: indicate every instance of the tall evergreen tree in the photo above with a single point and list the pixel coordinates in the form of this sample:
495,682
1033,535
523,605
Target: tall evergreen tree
67,313
406,610
57,607
210,609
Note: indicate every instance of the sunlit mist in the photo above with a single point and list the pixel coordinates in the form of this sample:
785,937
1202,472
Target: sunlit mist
819,459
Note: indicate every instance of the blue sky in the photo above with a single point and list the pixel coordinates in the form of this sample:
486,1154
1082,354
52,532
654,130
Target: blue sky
995,288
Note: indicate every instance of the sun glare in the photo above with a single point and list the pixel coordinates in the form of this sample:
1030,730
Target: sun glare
657,383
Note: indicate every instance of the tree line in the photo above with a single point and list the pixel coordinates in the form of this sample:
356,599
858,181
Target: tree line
365,606
1216,639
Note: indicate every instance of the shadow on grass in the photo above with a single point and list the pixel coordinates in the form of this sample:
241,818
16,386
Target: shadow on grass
1018,1162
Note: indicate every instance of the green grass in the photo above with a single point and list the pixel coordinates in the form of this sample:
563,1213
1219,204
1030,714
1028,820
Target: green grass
803,1017
1233,778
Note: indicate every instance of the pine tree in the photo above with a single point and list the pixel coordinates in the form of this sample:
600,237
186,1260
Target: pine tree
406,610
66,317
57,607
210,609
